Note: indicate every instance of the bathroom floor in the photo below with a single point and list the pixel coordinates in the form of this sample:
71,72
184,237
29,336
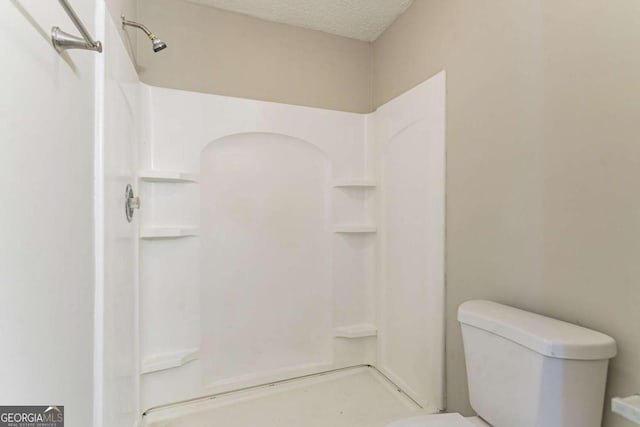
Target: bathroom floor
357,397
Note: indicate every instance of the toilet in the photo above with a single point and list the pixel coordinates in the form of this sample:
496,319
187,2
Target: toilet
527,370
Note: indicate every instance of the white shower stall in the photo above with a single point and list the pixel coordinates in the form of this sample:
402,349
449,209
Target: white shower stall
281,254
281,242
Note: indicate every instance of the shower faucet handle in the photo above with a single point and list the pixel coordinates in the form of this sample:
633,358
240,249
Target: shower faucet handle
134,202
131,202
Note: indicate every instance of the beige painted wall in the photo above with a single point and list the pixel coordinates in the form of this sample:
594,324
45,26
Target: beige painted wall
225,53
118,8
543,163
128,8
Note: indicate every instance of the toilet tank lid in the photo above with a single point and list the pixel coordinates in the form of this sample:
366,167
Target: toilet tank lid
544,335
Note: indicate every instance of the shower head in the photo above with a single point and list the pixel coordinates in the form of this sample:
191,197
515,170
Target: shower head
157,44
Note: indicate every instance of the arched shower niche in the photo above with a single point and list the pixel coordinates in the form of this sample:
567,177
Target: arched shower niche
266,257
269,251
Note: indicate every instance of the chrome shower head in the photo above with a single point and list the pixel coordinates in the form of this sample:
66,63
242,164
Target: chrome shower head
157,44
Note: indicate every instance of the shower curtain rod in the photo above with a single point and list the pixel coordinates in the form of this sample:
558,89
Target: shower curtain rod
62,40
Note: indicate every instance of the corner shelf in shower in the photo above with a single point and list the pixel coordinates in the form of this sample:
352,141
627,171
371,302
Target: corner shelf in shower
354,228
356,331
167,232
355,183
161,362
167,176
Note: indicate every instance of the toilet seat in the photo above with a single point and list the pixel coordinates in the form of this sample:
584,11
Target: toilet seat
440,420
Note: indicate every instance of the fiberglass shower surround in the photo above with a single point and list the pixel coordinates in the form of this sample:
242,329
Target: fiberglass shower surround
279,241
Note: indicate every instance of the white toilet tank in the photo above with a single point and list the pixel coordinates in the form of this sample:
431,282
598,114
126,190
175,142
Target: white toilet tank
527,370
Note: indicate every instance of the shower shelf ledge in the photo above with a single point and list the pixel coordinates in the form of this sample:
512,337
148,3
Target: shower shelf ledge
356,331
628,407
165,361
354,228
167,176
355,183
167,232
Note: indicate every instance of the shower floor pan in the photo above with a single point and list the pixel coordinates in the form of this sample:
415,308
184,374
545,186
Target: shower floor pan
351,397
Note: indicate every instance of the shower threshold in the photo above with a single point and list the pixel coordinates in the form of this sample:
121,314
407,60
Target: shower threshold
359,396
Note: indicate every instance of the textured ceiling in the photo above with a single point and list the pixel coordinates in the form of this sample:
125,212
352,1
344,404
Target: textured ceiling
357,19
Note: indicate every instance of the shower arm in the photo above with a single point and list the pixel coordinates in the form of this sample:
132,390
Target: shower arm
156,43
126,22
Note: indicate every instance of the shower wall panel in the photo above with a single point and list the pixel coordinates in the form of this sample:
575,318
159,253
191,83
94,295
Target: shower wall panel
265,243
410,136
116,357
279,241
244,279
